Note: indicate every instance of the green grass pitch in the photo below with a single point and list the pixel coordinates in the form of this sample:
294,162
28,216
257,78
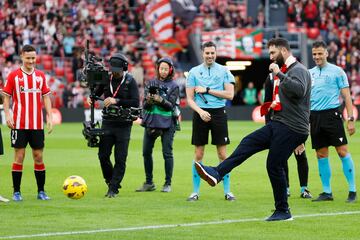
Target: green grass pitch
157,215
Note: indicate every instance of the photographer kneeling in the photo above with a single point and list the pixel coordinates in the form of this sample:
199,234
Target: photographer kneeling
122,92
160,99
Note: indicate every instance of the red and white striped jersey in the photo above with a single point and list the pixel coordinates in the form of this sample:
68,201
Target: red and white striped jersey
27,91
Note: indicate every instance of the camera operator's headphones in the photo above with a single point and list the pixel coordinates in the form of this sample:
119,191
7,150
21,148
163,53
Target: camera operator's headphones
117,61
168,61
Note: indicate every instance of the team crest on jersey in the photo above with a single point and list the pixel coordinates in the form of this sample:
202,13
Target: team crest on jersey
38,79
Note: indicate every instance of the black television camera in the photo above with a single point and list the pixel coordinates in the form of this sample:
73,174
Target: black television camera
93,75
94,72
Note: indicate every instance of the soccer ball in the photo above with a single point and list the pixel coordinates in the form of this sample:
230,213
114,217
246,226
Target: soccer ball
74,187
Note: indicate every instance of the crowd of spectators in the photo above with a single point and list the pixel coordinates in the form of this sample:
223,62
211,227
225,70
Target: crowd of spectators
337,22
228,14
59,30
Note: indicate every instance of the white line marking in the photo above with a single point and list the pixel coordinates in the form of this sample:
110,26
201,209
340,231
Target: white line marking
51,234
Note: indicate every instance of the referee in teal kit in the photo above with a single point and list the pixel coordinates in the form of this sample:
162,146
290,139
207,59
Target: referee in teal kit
327,129
208,87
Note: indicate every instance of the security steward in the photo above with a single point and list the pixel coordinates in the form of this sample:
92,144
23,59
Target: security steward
122,92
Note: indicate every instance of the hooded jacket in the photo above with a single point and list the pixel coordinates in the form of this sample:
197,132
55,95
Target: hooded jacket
160,115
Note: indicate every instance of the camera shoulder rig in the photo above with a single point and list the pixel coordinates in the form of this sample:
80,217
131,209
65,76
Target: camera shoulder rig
117,113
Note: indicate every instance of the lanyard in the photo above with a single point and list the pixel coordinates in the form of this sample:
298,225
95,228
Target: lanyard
117,89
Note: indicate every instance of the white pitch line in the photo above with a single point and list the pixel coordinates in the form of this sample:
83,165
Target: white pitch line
140,228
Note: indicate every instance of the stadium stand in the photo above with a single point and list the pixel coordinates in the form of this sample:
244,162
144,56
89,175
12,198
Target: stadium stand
113,26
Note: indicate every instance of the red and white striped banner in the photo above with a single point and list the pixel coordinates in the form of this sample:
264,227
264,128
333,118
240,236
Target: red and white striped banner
160,17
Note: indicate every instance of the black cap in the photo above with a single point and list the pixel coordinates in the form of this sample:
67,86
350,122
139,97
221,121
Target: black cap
118,63
167,60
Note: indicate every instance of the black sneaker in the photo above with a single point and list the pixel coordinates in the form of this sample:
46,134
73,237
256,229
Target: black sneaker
279,215
111,194
306,194
209,174
324,197
351,197
146,187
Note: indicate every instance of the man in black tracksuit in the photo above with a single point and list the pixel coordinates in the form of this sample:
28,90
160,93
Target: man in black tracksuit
121,92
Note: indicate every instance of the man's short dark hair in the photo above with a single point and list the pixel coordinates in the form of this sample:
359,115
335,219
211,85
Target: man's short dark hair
318,44
279,42
28,48
208,44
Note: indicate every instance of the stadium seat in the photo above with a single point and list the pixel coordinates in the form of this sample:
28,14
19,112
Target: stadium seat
59,72
313,33
48,65
68,69
131,38
46,57
70,77
38,60
291,26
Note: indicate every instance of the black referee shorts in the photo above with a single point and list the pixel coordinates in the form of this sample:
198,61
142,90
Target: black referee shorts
217,125
327,128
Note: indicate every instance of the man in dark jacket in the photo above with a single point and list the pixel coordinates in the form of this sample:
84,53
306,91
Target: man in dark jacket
122,92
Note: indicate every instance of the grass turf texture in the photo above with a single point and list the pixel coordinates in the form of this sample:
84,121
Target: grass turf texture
66,154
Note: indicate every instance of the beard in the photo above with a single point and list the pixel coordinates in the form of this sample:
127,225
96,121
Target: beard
280,60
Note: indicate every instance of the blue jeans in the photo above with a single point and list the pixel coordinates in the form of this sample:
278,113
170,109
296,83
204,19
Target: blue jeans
281,142
167,139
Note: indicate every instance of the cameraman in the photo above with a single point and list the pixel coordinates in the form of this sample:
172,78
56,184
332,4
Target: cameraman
159,119
121,92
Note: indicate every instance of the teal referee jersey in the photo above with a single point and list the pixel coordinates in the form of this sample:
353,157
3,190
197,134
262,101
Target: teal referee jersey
326,83
213,77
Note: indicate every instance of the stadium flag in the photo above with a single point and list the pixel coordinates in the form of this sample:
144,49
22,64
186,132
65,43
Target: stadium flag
224,40
236,43
160,17
170,46
249,43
